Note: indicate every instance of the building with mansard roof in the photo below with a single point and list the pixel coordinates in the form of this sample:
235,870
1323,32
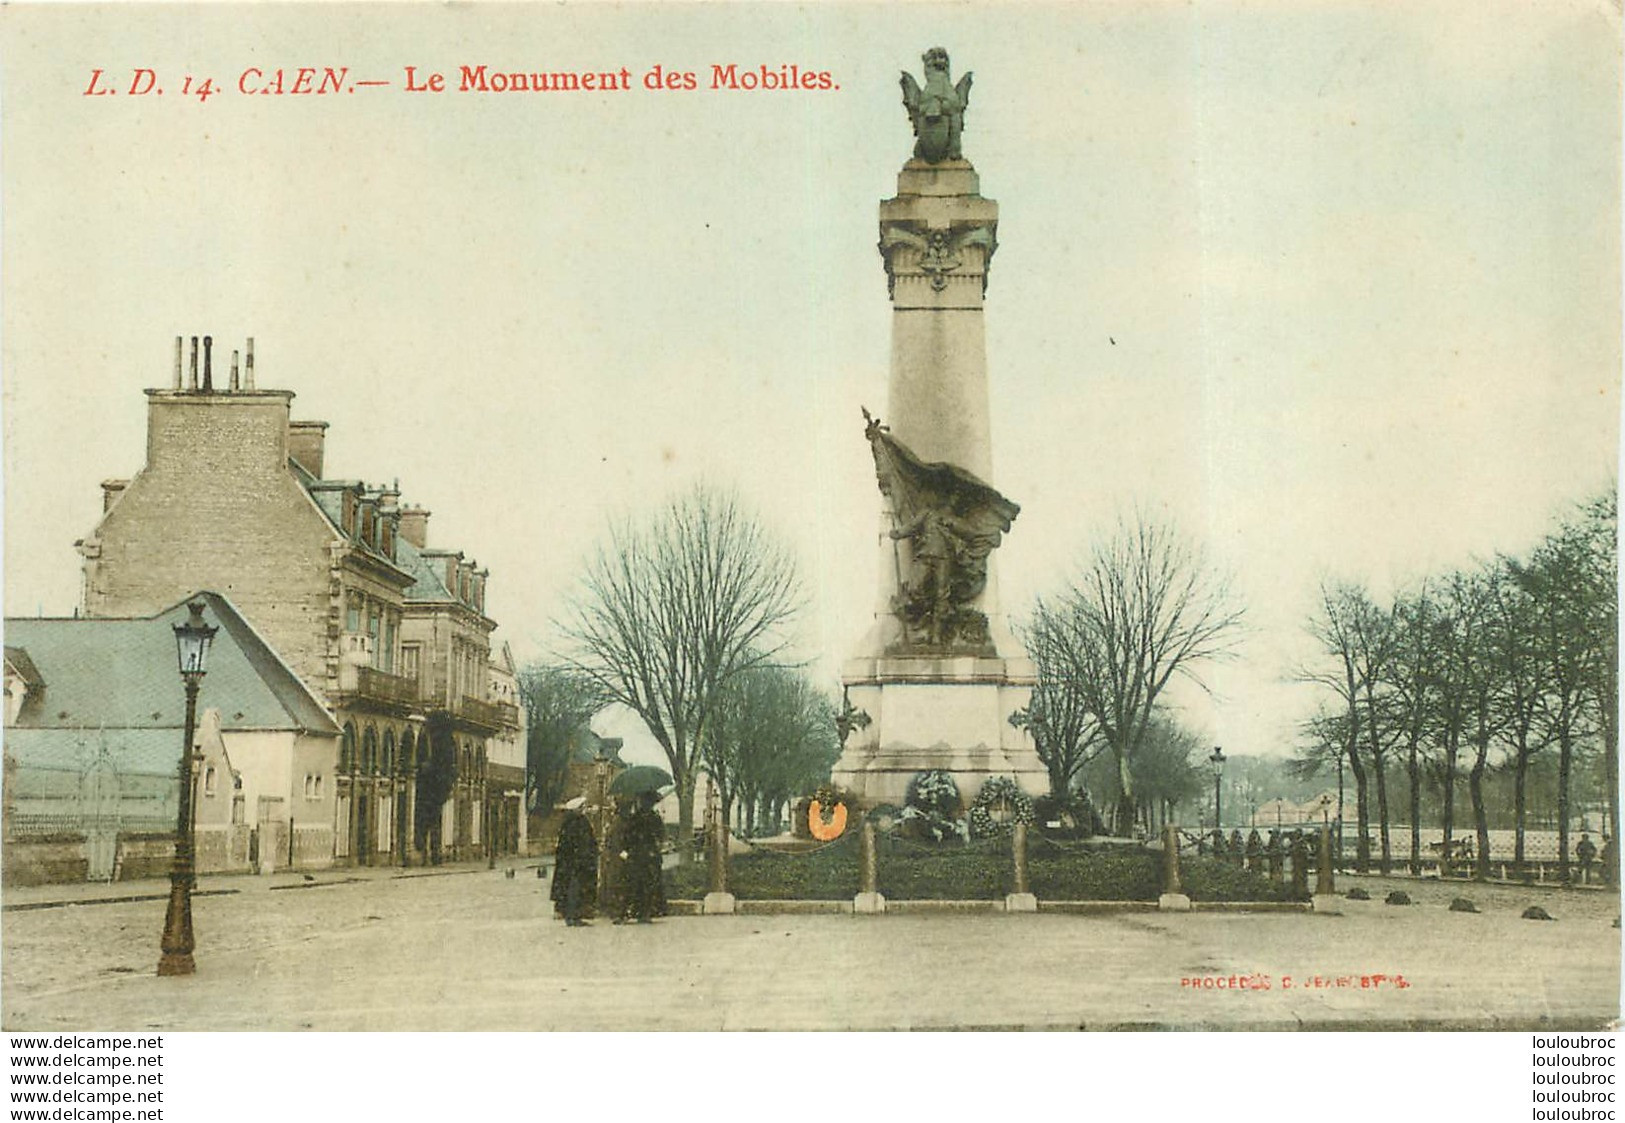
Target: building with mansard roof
340,579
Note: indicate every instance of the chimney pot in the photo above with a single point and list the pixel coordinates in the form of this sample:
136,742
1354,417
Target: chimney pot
307,441
248,368
191,376
177,384
415,526
208,364
235,385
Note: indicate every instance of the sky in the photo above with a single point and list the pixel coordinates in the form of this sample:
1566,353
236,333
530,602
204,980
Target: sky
1334,287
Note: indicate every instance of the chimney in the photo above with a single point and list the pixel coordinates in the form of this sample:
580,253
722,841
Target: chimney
235,385
306,442
208,364
191,378
177,385
415,526
248,368
111,490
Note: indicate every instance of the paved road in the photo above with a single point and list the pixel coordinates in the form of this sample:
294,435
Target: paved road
472,949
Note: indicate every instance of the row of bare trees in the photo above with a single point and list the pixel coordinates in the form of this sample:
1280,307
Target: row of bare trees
1482,671
683,618
770,739
1144,609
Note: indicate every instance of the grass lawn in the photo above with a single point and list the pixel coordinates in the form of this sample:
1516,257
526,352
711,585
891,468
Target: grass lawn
979,871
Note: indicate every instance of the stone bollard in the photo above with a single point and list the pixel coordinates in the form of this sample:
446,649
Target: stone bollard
1173,897
1325,892
868,899
1022,900
1300,868
718,902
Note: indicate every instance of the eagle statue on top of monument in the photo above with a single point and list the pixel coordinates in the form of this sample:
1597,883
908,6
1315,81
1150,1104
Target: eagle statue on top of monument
937,111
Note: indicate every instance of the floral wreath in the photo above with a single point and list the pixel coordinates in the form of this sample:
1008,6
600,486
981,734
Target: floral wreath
999,789
826,814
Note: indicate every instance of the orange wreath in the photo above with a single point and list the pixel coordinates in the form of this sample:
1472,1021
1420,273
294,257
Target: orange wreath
821,830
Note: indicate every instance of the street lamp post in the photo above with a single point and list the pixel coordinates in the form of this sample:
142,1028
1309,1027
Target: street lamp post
1217,761
192,646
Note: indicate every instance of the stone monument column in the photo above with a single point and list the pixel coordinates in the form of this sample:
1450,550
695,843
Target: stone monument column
939,674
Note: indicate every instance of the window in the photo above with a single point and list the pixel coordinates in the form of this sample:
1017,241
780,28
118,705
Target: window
318,785
409,660
367,525
347,749
372,632
310,786
386,655
352,613
208,781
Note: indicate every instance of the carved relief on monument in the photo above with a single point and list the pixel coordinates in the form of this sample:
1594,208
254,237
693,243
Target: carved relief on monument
951,521
933,252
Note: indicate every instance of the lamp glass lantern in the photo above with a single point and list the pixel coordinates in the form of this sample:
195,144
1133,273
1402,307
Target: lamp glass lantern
192,640
1216,761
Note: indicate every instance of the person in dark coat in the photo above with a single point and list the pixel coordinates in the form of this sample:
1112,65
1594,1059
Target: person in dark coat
1586,851
644,893
575,867
617,893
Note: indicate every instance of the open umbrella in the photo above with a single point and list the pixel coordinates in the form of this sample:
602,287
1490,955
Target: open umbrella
638,779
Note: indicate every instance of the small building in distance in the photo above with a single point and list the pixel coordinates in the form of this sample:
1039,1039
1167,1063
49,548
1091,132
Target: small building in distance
505,777
95,717
593,760
1279,812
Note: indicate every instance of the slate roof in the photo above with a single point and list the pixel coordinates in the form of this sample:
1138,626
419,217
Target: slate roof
151,752
428,584
120,673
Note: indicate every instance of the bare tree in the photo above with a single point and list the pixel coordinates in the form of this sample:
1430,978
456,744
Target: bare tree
771,731
1414,676
673,609
1336,626
1464,688
1063,728
558,702
1571,585
1146,607
1375,647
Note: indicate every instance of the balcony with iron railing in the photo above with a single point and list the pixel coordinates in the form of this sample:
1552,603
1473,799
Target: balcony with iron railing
371,684
491,715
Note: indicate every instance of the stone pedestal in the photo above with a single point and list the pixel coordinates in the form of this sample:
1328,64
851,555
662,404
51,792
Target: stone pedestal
1174,902
1020,902
869,903
948,713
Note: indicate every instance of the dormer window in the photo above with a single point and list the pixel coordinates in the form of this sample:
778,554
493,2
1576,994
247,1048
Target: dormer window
349,512
388,546
367,525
